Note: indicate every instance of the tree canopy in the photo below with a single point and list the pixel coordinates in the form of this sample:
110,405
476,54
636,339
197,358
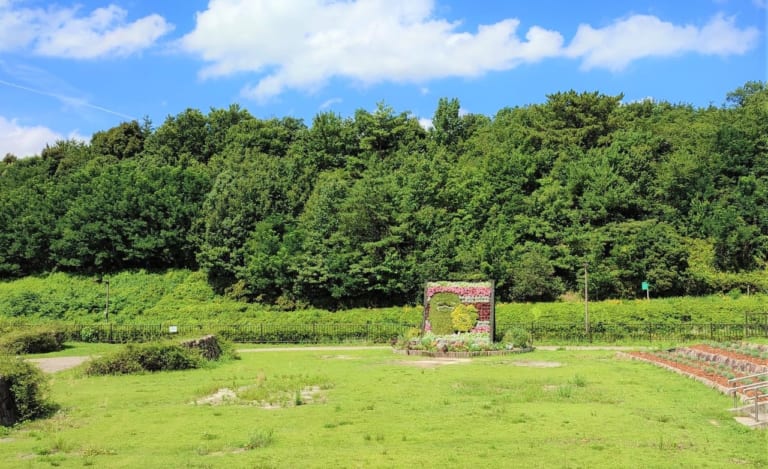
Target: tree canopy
363,210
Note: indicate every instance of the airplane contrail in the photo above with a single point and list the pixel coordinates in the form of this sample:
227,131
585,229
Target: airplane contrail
67,99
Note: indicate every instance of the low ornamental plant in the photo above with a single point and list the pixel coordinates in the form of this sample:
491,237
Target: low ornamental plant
464,317
460,342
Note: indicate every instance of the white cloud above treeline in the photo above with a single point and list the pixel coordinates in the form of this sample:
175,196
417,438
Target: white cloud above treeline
23,141
615,46
302,44
70,33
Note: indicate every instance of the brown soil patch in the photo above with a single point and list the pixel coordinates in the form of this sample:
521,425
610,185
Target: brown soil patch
730,354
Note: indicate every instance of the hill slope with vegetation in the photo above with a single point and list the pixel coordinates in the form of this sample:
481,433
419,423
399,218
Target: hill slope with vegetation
360,211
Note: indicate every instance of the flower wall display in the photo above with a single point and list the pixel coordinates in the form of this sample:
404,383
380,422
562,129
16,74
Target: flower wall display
478,294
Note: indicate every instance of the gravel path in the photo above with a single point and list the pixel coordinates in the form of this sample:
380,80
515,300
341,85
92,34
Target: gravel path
54,364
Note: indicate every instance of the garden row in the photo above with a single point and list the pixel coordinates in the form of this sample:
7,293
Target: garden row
720,365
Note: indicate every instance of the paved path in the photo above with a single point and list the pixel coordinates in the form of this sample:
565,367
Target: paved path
54,364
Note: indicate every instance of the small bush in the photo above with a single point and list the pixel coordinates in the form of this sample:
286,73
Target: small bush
35,340
89,334
579,381
28,387
145,357
517,337
464,317
260,439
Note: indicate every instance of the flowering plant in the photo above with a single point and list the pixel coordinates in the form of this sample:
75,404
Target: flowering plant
464,342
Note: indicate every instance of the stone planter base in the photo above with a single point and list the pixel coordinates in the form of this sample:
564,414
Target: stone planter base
487,353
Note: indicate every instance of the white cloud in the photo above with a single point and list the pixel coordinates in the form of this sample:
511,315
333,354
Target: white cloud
616,46
426,123
66,33
25,141
330,102
302,44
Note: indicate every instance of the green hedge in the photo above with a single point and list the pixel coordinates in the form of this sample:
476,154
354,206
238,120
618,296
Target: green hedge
42,339
146,357
28,387
715,308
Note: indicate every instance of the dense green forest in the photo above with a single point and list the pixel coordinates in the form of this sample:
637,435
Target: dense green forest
360,211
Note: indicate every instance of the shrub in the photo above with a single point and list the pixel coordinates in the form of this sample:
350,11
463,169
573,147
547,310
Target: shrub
517,337
145,357
36,340
89,334
28,388
464,317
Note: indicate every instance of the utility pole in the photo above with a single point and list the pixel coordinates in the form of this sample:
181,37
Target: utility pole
106,306
105,281
586,300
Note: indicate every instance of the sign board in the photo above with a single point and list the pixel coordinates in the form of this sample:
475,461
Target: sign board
440,299
173,329
645,286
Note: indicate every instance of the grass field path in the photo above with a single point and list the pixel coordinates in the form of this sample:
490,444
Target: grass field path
56,364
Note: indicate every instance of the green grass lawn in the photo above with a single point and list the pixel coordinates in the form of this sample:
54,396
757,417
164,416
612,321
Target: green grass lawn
377,409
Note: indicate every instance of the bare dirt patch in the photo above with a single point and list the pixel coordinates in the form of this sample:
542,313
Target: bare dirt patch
222,396
434,362
339,357
56,364
225,396
537,364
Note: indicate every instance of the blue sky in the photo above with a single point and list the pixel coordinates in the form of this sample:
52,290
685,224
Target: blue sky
69,69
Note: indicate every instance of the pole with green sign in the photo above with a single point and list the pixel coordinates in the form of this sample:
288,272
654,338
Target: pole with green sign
647,290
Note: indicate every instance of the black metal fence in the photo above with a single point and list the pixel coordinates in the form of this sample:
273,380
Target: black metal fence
319,333
257,332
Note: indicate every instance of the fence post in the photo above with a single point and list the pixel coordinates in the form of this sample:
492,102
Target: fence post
744,333
711,331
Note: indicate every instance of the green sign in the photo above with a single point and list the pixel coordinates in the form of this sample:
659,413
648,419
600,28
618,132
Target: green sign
645,286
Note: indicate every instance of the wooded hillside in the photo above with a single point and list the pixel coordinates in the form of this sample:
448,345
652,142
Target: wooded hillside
363,210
